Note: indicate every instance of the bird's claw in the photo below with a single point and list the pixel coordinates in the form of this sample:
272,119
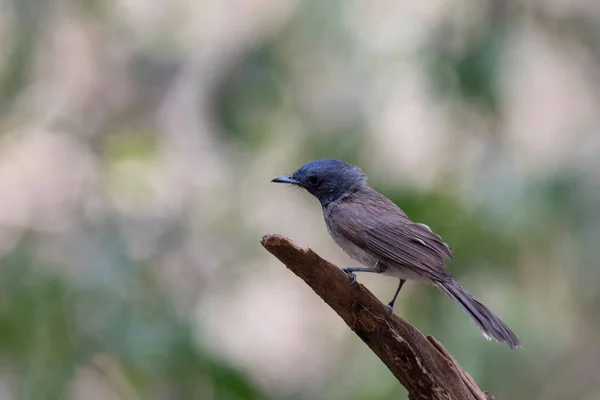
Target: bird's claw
351,275
390,307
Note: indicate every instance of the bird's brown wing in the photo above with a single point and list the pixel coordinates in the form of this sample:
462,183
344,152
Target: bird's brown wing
386,233
403,245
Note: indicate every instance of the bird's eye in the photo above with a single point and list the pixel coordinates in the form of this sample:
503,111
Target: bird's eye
313,180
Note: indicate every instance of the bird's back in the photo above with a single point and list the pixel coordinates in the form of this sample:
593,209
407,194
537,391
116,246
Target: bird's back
371,228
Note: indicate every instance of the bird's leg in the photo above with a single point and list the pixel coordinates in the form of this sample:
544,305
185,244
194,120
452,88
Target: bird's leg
377,268
351,271
390,305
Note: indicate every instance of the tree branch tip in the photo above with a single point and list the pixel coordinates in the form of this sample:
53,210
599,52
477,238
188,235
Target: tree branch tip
277,240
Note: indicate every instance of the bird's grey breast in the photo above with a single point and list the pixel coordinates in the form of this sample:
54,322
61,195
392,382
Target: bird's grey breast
330,214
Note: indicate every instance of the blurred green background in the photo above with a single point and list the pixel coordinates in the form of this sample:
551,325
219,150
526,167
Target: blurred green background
138,139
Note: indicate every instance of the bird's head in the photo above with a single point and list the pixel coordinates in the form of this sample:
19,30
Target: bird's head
327,179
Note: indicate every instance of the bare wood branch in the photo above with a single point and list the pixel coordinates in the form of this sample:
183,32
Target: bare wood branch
421,364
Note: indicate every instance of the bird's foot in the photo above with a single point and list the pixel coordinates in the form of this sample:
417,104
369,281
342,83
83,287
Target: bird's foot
390,307
350,274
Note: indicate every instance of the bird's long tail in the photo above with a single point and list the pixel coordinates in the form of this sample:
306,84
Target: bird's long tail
490,325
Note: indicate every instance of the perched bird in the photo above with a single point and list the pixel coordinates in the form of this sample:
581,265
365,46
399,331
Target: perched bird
374,231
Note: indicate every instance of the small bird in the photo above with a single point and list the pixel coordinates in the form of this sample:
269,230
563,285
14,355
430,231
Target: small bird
374,231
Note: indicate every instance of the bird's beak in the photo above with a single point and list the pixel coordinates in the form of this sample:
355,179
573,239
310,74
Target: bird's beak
286,179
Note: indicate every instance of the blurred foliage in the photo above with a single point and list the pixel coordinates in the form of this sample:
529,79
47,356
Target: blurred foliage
469,72
90,298
28,23
51,327
249,95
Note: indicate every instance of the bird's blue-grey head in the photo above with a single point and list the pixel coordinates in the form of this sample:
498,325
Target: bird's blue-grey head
327,179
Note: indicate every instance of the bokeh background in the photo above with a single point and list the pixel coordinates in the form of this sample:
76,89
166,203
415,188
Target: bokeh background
138,139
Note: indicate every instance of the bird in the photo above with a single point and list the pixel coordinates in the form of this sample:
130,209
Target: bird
375,232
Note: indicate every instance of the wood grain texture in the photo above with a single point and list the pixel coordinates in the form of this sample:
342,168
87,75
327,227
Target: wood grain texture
421,364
